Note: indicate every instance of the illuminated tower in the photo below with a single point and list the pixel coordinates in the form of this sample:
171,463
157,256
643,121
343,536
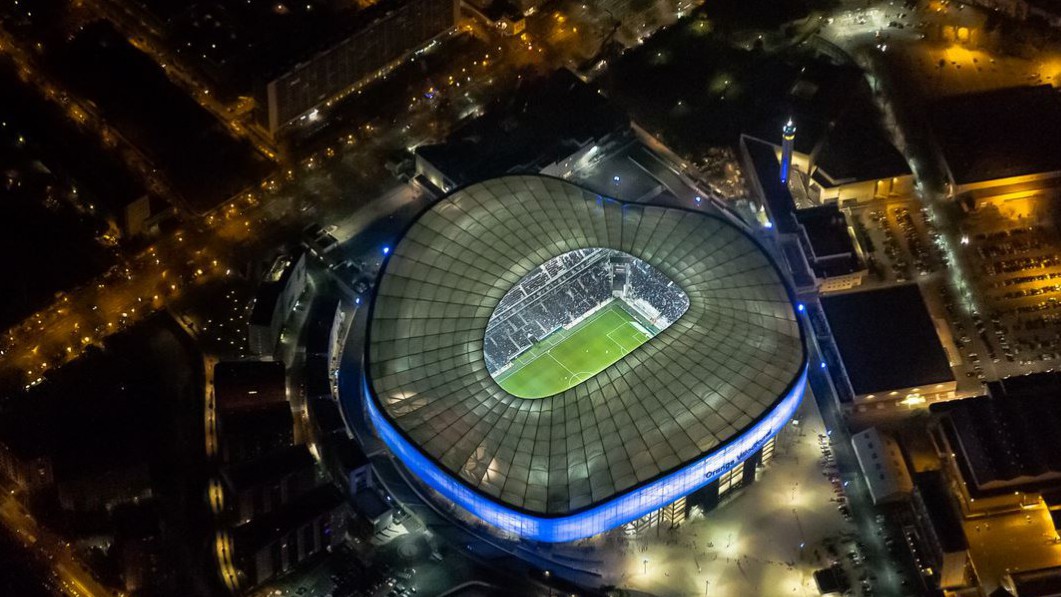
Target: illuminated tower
788,139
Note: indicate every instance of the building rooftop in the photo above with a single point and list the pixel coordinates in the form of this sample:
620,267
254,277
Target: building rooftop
259,532
198,157
854,150
316,376
1000,133
882,464
272,287
932,489
826,230
103,411
1044,582
724,368
253,41
270,467
832,251
545,121
248,434
351,454
886,339
326,413
318,325
248,385
370,505
1008,440
780,205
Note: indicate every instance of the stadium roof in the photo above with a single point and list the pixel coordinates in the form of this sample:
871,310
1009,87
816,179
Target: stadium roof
717,372
886,339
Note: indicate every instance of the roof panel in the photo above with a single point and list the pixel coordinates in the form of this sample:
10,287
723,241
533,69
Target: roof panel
689,389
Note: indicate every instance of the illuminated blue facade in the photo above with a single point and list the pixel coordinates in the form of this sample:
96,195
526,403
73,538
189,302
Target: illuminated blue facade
663,421
617,511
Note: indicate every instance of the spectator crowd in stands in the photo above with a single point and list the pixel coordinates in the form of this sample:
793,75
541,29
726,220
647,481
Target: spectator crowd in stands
567,287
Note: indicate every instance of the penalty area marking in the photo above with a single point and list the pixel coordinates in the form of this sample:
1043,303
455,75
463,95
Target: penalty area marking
557,339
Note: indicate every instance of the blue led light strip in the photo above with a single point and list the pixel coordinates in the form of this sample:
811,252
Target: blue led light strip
603,517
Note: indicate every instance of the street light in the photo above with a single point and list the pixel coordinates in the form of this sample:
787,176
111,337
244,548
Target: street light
645,562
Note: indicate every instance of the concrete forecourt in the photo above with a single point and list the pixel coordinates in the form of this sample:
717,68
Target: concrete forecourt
645,420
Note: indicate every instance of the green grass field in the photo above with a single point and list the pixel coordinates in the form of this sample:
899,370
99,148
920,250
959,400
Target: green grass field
568,357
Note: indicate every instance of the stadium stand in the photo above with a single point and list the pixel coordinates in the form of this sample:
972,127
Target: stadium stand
564,289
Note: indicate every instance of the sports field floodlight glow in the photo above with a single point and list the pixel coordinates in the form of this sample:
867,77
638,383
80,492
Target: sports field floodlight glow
667,418
621,321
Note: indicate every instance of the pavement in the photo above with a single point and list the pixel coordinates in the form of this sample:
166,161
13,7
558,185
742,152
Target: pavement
766,539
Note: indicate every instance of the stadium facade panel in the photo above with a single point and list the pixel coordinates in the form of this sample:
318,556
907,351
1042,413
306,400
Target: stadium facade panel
666,419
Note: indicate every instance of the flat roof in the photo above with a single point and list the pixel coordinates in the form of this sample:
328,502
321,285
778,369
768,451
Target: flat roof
546,120
252,536
241,39
270,468
857,148
780,205
833,250
886,339
1044,582
272,286
932,488
1008,439
721,369
1000,133
248,385
826,230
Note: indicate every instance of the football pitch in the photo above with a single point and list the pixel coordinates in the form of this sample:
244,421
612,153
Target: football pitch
566,358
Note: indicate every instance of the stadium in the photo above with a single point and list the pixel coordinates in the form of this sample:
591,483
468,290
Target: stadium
559,364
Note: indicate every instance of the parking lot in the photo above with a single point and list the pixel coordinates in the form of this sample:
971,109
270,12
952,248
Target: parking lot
1013,269
901,242
1007,319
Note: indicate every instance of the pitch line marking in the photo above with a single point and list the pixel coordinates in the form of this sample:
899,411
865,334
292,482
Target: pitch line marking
557,361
